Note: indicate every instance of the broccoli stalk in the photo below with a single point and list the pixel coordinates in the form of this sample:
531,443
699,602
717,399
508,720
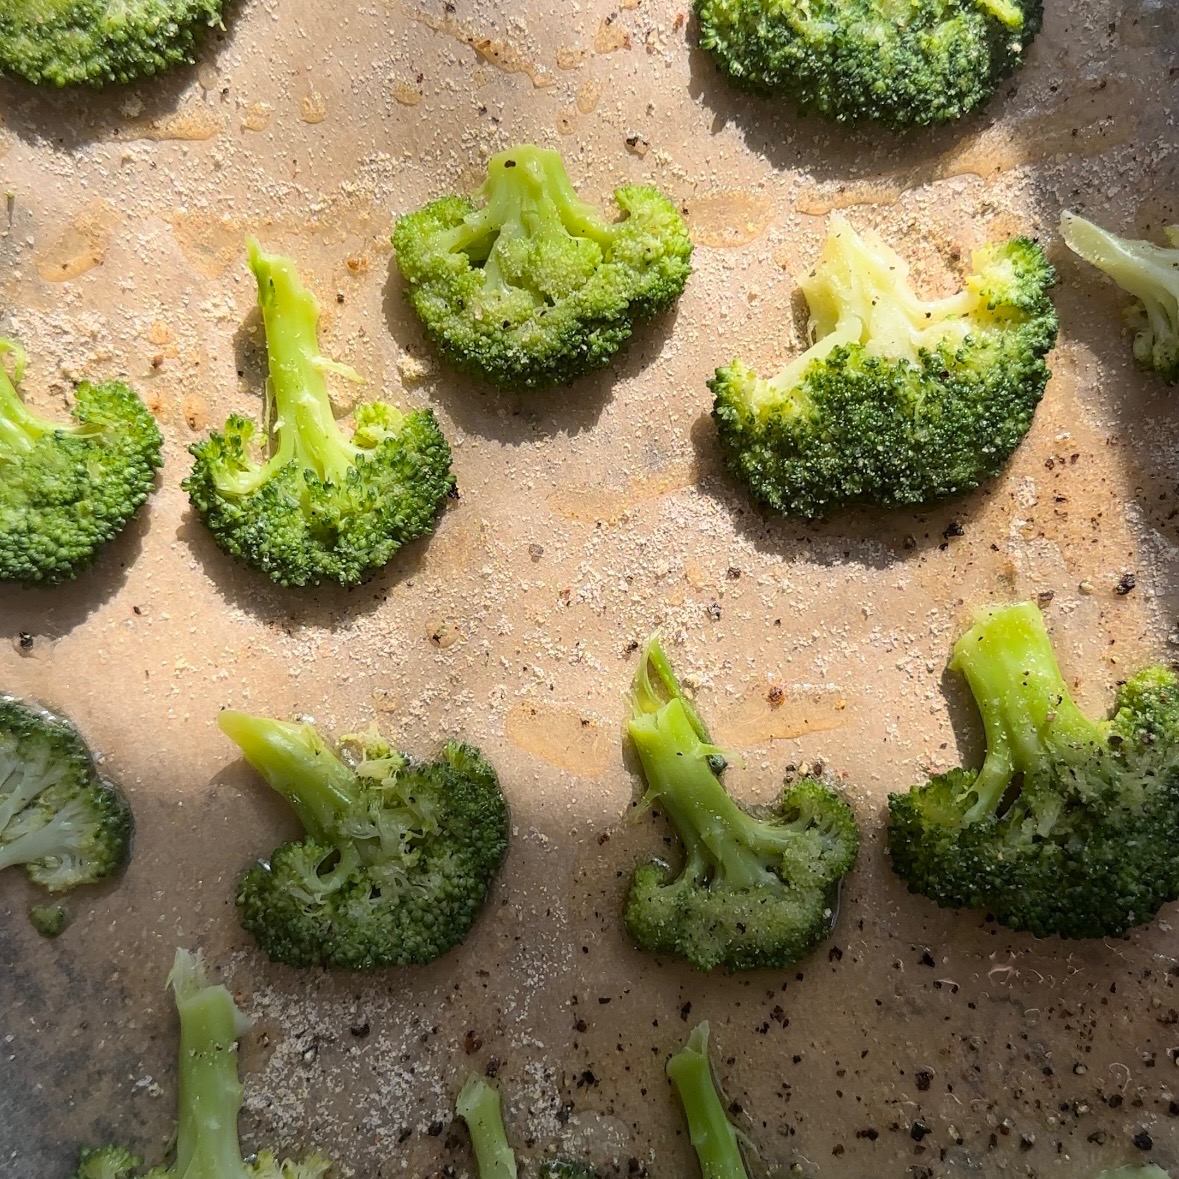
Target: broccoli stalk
1151,1172
713,1137
478,1104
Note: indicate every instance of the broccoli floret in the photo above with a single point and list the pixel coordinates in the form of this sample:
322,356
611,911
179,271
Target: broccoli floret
903,63
899,400
321,507
565,1169
58,818
49,920
66,42
755,888
65,490
1151,1172
713,1137
1148,272
398,857
1071,825
526,286
209,1099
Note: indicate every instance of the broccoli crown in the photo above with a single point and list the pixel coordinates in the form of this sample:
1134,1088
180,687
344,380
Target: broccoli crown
398,858
209,1098
903,63
755,889
526,286
1071,825
1148,272
58,818
66,42
65,490
899,400
713,1137
322,507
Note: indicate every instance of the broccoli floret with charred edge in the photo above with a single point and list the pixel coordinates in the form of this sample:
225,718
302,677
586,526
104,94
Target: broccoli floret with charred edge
209,1098
910,63
755,888
322,507
1071,827
526,286
713,1137
899,400
58,819
398,858
1148,272
66,489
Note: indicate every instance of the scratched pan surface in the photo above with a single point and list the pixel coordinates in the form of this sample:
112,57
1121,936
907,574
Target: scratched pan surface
917,1042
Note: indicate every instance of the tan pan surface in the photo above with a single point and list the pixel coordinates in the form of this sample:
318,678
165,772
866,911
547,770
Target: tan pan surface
588,518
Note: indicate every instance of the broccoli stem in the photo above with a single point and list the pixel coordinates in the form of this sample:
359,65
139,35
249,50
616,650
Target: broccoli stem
298,765
478,1104
55,839
713,1138
20,429
1028,715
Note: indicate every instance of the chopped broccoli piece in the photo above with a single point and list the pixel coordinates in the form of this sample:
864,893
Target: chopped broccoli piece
1151,1172
322,507
1071,825
903,63
526,286
565,1169
49,920
58,818
755,888
210,1095
398,858
1148,272
899,400
93,42
713,1137
65,490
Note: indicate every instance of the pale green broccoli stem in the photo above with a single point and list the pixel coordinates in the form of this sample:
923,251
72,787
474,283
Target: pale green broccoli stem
1028,716
478,1104
712,1135
60,838
20,428
1006,11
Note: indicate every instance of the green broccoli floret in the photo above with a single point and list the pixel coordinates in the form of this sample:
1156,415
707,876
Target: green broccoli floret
903,63
1148,272
58,818
526,286
755,889
1151,1172
398,858
49,920
565,1169
1071,825
321,507
209,1098
65,490
713,1137
899,400
66,42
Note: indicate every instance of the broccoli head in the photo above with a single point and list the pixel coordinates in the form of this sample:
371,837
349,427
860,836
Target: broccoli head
209,1098
713,1137
899,400
903,63
58,819
1148,272
1071,825
526,286
322,507
65,490
398,858
66,42
755,889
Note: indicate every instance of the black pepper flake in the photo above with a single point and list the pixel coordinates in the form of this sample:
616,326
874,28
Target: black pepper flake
927,959
924,1080
918,1130
1143,1140
1127,582
26,641
869,1133
360,1030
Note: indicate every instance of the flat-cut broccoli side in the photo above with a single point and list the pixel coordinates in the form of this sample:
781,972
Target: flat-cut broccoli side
58,819
209,1099
526,286
1148,272
713,1137
899,400
398,858
93,42
1071,827
903,63
66,489
322,507
754,889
